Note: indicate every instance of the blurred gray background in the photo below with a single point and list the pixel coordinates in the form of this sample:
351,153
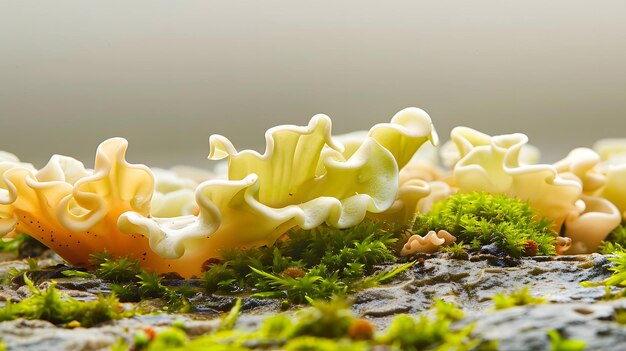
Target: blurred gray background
167,74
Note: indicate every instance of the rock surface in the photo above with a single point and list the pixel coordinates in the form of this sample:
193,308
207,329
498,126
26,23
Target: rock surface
526,327
471,284
574,311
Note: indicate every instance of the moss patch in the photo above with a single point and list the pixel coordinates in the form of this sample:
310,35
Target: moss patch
310,264
482,219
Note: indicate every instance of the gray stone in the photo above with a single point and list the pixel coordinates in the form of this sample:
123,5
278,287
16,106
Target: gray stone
526,327
472,285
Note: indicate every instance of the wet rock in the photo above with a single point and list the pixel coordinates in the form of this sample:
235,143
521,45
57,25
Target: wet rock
526,327
47,273
471,285
492,249
24,292
41,335
8,256
212,304
7,294
12,265
44,336
86,284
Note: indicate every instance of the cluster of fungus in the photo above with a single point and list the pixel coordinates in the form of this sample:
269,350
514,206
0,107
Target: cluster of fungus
175,220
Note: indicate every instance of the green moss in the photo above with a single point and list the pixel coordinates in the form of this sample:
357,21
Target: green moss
561,344
423,333
12,244
615,240
609,248
520,297
317,283
620,316
381,277
455,251
15,273
309,264
330,320
311,343
229,319
618,278
368,243
115,270
220,277
130,283
168,339
59,308
482,219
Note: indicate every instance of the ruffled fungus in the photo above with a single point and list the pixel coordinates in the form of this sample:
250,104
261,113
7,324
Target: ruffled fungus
492,164
74,211
613,155
420,186
615,187
304,178
7,162
580,166
594,217
612,150
588,228
173,194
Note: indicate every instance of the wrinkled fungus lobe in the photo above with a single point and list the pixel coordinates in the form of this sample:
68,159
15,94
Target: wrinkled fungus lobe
304,178
74,211
594,217
574,193
613,155
492,164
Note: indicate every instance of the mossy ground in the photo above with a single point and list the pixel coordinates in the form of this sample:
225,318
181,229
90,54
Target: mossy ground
322,267
422,330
